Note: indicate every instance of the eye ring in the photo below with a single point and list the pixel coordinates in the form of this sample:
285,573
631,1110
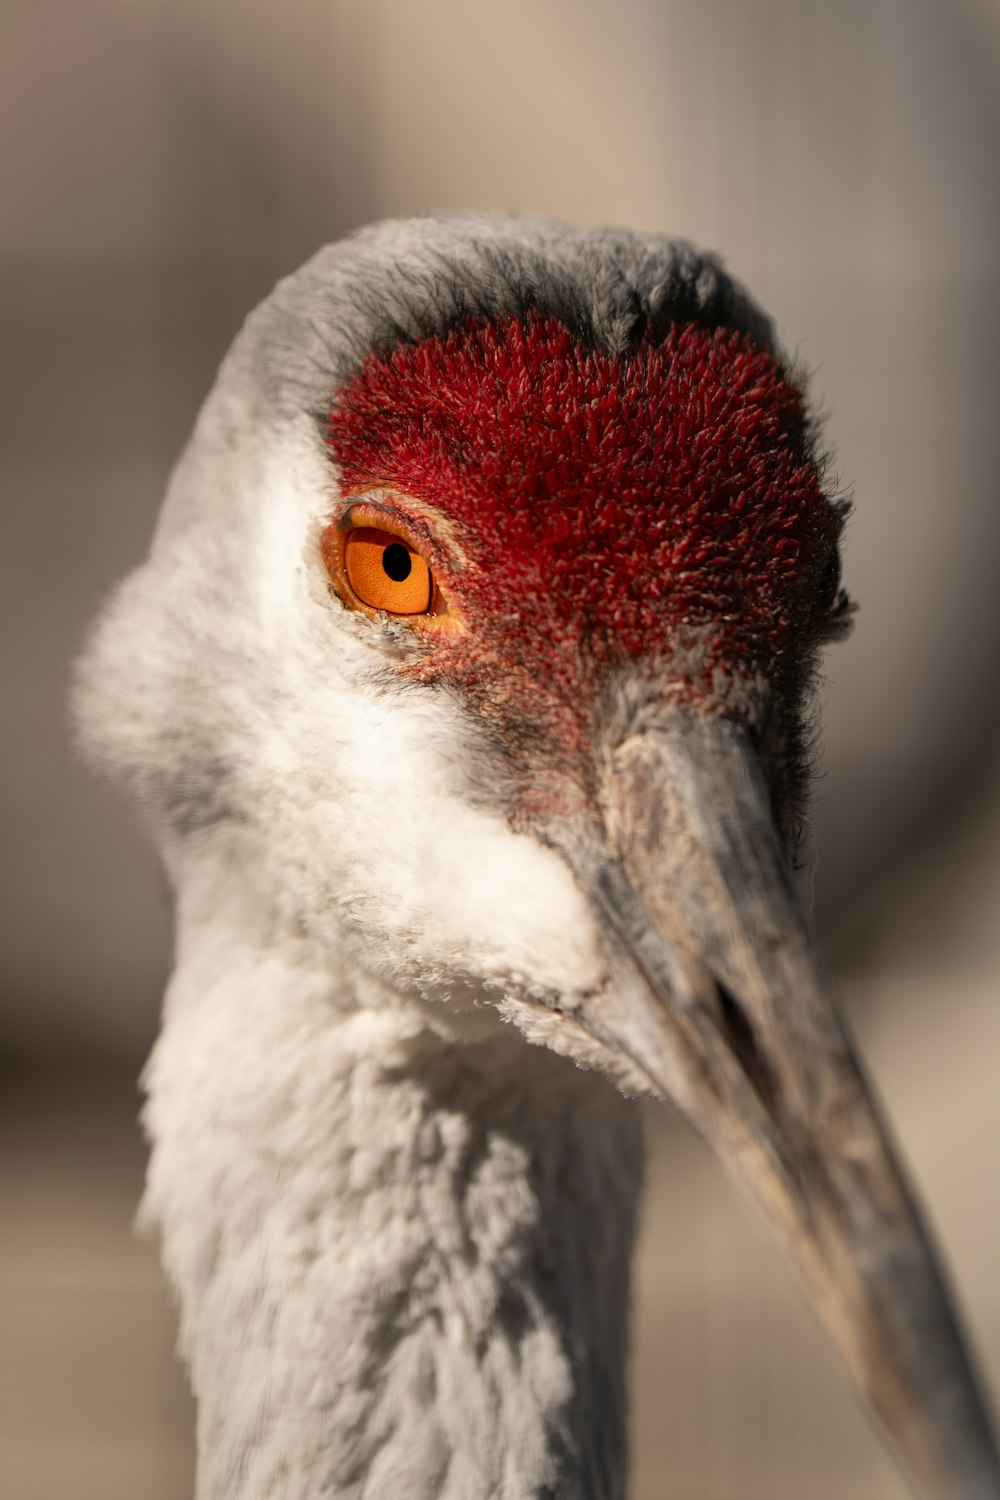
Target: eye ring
379,568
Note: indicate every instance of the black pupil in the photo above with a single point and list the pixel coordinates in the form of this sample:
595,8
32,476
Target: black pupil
396,562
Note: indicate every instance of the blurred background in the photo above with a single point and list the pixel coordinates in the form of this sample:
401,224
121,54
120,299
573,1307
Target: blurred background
164,161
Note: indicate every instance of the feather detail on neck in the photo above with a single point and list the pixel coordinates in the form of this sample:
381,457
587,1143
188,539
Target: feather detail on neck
402,1254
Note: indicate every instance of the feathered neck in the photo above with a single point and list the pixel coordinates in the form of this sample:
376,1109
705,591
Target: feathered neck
401,1247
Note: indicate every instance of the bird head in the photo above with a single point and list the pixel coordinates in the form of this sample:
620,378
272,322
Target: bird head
479,635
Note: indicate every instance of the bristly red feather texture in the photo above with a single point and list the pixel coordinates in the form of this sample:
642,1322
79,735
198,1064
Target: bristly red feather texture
608,507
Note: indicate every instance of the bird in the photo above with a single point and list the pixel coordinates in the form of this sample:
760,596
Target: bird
467,692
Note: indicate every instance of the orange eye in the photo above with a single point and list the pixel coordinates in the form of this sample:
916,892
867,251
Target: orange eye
386,573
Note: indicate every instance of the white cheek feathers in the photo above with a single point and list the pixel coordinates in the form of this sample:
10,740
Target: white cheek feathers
438,891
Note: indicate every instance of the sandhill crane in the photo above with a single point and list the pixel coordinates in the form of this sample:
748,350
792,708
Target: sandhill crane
464,692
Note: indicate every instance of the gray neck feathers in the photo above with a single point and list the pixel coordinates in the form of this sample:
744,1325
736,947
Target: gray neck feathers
402,1251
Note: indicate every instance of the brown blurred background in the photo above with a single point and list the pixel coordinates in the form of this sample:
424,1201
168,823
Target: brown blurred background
163,162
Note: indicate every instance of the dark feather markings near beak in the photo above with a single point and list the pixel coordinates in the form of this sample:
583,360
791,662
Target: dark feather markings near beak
723,1009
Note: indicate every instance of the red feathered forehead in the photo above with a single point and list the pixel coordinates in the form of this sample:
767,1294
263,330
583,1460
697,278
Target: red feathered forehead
607,507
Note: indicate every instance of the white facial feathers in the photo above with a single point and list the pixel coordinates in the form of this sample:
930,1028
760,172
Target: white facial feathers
249,711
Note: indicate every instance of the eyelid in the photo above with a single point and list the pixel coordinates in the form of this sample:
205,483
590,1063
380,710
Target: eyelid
423,527
383,518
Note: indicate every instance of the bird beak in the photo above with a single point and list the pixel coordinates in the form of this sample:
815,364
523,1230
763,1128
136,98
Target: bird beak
721,1007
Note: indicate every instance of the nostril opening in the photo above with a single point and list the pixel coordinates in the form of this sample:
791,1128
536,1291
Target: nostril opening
742,1039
